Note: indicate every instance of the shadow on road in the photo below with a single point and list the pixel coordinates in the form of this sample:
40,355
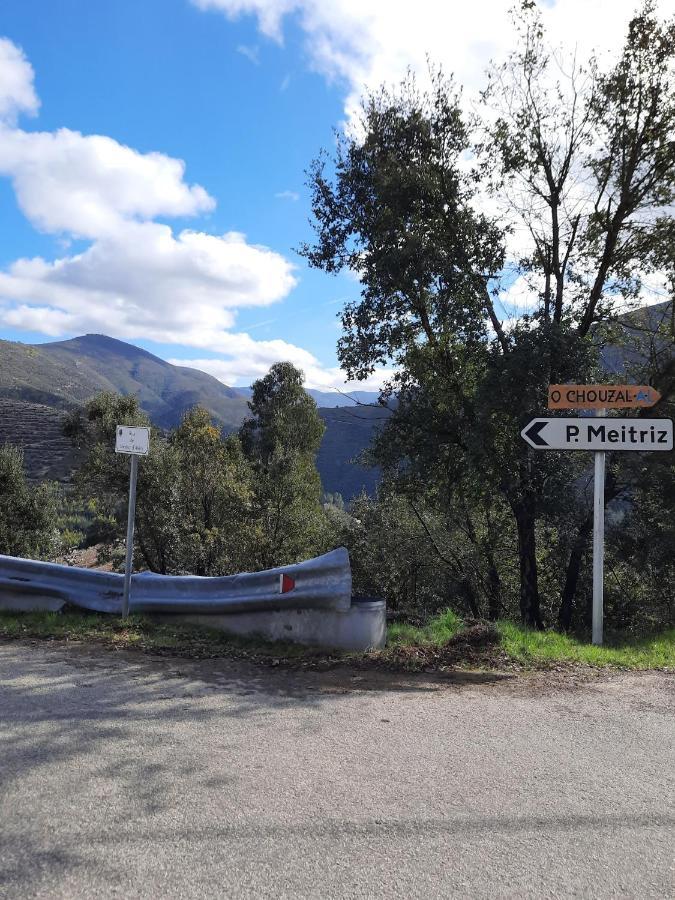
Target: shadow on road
60,704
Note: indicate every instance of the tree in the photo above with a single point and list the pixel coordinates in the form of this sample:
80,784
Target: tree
211,530
27,514
103,476
424,557
280,439
400,209
584,162
193,506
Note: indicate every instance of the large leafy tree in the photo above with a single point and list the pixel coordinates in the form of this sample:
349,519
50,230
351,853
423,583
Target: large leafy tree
281,439
104,474
587,170
209,504
583,165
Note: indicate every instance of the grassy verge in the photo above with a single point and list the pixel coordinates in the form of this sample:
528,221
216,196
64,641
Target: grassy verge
443,642
541,647
435,633
529,648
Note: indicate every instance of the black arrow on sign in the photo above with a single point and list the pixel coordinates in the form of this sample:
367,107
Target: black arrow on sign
533,434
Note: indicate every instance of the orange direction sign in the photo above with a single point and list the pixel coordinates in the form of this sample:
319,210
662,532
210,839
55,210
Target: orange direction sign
601,396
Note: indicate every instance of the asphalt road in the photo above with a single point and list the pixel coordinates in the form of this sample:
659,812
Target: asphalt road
128,776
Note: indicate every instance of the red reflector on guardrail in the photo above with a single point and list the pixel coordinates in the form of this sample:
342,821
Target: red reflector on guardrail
286,584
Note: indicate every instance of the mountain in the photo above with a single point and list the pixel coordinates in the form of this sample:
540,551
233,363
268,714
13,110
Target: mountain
66,373
38,383
644,336
349,432
328,399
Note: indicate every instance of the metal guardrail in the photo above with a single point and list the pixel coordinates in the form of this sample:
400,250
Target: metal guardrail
321,583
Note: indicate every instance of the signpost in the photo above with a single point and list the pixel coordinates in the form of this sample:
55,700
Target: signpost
136,442
601,396
589,434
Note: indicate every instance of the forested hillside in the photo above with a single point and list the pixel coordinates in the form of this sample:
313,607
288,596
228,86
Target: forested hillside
39,383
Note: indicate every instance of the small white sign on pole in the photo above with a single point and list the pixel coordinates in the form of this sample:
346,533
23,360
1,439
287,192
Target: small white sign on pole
136,442
132,440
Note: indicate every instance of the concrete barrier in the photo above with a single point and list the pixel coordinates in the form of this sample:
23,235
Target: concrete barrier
308,602
362,626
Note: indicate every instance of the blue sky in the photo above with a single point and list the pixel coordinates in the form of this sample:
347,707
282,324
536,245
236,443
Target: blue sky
198,265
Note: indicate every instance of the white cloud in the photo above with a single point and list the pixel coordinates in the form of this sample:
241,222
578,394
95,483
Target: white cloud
17,93
288,195
248,359
144,281
136,277
90,185
252,54
521,297
364,43
270,13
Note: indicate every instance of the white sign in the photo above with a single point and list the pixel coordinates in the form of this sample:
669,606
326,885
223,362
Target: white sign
132,440
599,434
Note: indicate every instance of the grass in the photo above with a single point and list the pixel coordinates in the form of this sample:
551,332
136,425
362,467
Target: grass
531,648
435,633
408,646
540,647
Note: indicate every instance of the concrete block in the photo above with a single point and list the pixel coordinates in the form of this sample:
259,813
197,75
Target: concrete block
362,626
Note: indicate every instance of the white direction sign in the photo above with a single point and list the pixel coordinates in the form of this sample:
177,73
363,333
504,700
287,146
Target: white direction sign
599,434
132,440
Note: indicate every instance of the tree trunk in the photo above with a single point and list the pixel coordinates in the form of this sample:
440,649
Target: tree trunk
572,574
470,597
530,611
494,591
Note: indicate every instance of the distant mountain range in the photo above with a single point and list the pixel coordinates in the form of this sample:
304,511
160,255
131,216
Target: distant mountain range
39,382
327,399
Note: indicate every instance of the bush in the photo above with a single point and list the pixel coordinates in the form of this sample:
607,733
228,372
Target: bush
28,515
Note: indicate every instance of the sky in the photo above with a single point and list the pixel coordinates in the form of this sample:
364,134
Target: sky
153,157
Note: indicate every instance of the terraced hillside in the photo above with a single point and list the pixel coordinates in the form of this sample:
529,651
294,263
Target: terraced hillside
36,429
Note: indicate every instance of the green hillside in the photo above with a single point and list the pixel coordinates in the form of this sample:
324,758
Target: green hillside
67,372
348,433
38,383
31,374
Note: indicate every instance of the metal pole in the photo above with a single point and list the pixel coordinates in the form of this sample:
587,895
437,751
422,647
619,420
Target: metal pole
130,534
598,539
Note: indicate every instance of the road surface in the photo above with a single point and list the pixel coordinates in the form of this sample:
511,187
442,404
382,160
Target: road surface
124,775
